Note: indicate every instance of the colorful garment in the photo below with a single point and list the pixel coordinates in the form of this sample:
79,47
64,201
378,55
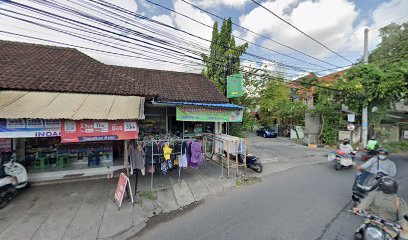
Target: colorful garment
167,152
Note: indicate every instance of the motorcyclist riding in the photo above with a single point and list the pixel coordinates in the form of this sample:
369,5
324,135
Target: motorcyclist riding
381,163
386,204
346,147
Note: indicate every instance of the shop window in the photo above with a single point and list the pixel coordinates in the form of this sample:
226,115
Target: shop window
47,154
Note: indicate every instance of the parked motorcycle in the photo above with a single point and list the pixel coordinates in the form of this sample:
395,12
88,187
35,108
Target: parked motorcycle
376,228
341,159
13,176
362,186
252,162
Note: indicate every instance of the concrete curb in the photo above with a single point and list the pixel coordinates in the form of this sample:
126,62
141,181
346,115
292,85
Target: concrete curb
313,145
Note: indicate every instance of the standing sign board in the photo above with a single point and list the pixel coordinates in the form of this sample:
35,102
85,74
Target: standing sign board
351,117
123,182
89,130
234,85
29,128
207,114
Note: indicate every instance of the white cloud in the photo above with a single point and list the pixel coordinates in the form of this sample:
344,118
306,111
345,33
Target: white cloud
329,21
166,19
332,22
191,26
219,3
130,44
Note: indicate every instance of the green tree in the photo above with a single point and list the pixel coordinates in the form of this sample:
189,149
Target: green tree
224,53
371,86
393,49
277,107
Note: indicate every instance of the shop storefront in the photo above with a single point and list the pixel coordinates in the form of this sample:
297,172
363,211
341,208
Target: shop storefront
70,144
188,120
56,145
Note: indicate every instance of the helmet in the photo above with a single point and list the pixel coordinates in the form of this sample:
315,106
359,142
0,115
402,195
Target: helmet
388,185
382,152
346,141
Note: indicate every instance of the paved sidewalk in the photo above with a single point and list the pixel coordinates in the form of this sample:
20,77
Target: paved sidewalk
86,210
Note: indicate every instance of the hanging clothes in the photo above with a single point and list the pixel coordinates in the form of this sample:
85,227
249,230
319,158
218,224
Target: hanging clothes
196,154
188,151
167,152
132,156
140,160
164,168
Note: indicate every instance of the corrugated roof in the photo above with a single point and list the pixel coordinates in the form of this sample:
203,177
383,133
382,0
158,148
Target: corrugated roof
75,106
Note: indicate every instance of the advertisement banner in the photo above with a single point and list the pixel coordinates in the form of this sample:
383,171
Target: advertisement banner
208,114
93,130
29,128
123,182
234,85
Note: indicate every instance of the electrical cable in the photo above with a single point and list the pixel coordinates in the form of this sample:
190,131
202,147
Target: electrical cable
237,37
260,35
312,38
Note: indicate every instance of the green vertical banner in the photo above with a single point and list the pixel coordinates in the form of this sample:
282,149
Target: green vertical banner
234,85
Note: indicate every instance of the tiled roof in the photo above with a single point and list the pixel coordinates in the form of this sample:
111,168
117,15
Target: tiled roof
176,86
34,67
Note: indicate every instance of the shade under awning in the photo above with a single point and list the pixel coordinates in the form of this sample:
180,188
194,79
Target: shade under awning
75,106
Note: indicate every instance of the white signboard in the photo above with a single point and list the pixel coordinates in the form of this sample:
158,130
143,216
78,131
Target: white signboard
351,117
406,134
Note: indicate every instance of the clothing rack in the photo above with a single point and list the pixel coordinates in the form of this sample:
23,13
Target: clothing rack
152,143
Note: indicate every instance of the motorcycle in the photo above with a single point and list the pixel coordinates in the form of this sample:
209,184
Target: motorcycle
362,186
13,176
367,154
252,162
376,228
341,159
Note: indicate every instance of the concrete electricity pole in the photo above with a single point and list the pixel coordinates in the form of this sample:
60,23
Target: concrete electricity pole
364,120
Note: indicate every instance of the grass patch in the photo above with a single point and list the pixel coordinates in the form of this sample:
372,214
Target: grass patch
139,202
247,181
396,147
148,195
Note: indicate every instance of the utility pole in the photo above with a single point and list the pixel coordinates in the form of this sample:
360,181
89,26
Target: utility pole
364,120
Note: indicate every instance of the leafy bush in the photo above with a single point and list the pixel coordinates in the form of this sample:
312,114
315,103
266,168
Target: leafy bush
396,147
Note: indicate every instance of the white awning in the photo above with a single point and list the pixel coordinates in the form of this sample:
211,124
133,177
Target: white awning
75,106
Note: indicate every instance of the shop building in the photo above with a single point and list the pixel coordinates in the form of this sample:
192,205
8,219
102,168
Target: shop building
66,114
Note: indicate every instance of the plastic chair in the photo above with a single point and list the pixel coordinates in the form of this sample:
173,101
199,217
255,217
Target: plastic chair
61,160
40,162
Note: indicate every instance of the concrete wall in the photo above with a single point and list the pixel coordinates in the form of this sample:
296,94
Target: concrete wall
312,128
388,133
356,138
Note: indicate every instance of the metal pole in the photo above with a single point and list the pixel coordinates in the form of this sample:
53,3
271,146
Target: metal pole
364,120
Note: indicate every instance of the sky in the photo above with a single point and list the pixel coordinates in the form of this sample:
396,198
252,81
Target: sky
138,33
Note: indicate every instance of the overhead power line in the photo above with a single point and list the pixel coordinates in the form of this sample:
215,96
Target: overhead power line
260,35
237,37
290,24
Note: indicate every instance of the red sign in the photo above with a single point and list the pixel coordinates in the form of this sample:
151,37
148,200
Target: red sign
120,189
92,130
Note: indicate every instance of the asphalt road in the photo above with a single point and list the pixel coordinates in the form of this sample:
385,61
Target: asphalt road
306,202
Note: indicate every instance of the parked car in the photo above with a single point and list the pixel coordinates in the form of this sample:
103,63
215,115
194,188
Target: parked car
267,132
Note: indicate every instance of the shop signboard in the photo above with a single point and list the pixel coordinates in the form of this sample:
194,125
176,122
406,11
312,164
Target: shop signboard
29,128
234,85
93,130
208,114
